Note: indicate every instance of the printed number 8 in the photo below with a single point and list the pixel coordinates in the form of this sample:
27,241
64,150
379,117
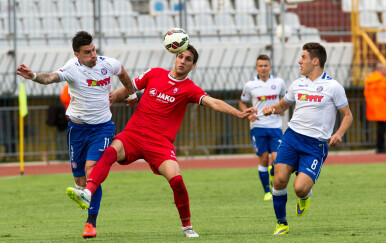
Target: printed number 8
313,166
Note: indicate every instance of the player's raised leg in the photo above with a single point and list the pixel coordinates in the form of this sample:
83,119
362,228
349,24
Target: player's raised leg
171,171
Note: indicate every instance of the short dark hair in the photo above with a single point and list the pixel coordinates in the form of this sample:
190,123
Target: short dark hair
263,57
316,50
194,52
82,38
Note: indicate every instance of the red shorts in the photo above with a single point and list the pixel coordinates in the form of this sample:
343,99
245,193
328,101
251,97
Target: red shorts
154,150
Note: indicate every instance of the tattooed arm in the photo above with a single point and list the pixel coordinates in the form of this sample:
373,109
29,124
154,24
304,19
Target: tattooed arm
41,78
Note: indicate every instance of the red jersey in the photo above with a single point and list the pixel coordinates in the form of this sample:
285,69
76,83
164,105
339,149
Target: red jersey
163,104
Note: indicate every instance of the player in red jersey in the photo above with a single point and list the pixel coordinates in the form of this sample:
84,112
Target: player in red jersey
151,131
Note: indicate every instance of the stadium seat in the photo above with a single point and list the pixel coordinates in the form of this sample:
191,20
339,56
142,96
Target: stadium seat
381,37
84,8
158,7
246,27
66,8
206,28
129,29
124,7
48,8
176,5
292,19
364,5
148,29
369,19
200,6
164,23
226,27
222,6
246,6
265,22
27,8
309,34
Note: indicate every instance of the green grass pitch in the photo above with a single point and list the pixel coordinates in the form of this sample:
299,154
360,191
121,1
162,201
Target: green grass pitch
348,205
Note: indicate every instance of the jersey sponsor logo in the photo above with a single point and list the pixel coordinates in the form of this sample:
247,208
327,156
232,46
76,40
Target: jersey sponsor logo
312,98
175,90
267,97
164,97
273,86
170,82
319,89
102,82
104,71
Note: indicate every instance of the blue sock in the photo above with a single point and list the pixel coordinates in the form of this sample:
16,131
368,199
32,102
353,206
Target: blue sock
95,201
279,204
264,178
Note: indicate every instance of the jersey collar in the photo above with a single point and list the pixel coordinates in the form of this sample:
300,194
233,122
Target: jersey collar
176,80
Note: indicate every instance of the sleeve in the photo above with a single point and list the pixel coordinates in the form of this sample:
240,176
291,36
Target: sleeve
141,81
116,66
290,95
339,97
246,95
197,94
65,73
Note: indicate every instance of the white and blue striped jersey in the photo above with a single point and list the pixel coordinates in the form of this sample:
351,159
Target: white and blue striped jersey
316,105
263,94
89,89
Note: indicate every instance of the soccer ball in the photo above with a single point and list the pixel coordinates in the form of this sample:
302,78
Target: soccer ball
176,40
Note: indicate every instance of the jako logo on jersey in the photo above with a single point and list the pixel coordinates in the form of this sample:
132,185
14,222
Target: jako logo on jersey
103,82
165,97
306,97
104,71
175,90
273,86
268,97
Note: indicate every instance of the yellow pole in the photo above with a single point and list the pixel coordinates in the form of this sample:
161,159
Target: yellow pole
21,145
23,111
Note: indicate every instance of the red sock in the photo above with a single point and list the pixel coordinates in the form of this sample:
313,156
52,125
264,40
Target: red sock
101,169
181,199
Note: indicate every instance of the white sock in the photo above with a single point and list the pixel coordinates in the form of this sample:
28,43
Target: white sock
87,192
308,195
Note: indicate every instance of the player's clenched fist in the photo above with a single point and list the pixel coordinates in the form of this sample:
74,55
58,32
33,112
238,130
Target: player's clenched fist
269,110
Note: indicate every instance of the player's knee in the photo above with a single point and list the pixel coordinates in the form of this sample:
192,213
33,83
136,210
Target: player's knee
280,182
177,184
301,191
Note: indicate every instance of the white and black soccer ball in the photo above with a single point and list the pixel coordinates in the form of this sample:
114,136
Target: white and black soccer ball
176,40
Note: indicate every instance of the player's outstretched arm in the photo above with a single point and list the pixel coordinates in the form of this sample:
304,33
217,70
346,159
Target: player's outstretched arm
221,106
126,81
243,106
41,78
347,119
277,108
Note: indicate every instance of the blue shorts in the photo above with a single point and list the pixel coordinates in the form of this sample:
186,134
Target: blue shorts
87,142
266,139
305,154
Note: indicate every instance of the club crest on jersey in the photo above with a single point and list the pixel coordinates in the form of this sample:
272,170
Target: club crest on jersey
153,92
102,82
319,89
312,98
273,86
175,90
104,71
